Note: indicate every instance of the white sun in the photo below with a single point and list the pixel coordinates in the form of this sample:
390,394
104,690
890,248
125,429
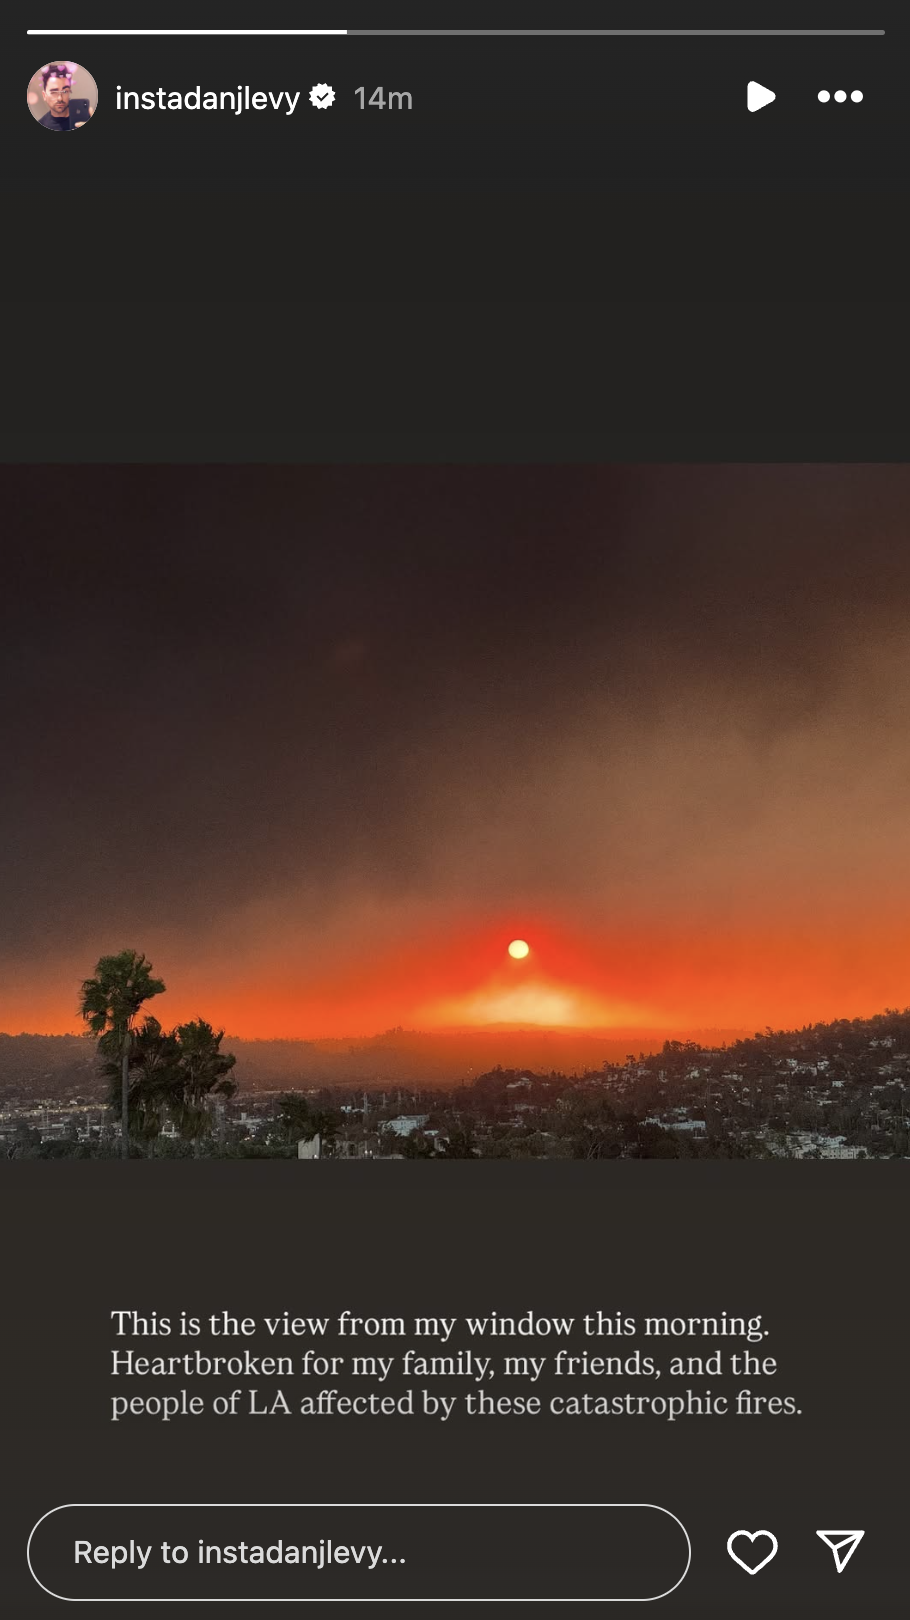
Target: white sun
519,948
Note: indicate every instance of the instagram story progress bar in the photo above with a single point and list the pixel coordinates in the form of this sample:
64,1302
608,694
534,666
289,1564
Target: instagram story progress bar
472,33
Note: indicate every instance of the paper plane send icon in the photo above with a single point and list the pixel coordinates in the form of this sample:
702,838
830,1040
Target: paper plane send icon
758,96
843,1544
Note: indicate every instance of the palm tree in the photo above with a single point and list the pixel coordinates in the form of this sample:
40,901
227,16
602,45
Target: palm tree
109,1005
203,1072
156,1083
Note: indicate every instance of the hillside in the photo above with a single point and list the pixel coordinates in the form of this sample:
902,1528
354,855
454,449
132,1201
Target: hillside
57,1066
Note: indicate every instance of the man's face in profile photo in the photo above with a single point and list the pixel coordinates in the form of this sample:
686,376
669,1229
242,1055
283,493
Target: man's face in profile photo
57,92
53,84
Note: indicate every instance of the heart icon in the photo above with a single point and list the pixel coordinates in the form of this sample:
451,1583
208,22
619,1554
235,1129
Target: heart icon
752,1535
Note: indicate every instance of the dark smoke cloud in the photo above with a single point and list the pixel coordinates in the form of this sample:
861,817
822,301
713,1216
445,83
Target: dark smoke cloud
323,696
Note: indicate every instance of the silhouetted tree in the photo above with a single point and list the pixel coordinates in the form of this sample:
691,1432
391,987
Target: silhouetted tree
301,1122
109,1005
460,1143
154,1078
203,1072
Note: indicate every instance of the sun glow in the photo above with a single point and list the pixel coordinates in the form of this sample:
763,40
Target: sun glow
540,1002
533,997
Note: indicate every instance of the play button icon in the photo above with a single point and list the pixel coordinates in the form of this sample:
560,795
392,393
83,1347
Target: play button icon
758,96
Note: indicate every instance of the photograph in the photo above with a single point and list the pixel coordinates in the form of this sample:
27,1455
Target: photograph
62,96
456,812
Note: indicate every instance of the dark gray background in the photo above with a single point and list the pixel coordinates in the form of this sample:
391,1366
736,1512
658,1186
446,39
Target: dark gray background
576,249
819,1249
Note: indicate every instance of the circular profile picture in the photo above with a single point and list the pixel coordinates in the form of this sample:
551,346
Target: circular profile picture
62,95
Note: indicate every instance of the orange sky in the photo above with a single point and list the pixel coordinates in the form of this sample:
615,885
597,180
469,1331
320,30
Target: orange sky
454,974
